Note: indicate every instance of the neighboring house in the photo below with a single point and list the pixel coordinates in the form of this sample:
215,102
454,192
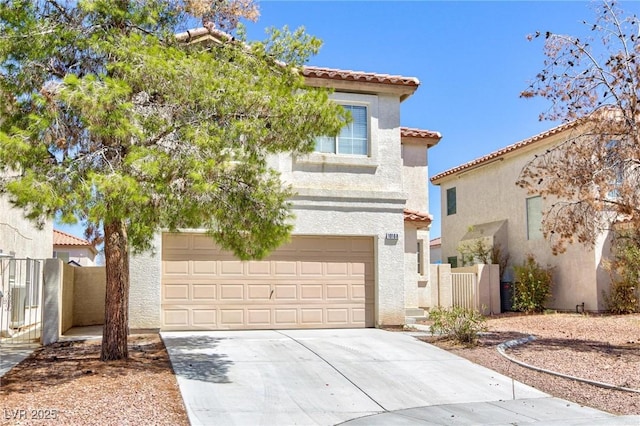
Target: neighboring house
74,250
22,247
357,253
481,201
435,250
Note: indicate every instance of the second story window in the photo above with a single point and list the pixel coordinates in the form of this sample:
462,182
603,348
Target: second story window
451,201
353,139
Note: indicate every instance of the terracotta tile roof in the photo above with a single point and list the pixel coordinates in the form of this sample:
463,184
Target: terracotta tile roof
419,133
499,153
361,76
63,239
435,242
421,137
203,34
417,217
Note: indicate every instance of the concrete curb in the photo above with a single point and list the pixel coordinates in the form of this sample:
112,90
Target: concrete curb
502,347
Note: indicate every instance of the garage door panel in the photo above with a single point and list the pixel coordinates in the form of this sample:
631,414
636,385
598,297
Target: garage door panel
231,267
285,317
311,292
311,316
176,267
258,317
337,316
176,292
259,292
258,268
232,317
285,292
337,292
311,268
205,267
285,268
203,317
175,317
233,292
312,282
204,292
338,268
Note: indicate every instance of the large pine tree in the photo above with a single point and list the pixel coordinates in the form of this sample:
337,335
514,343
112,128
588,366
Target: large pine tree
107,117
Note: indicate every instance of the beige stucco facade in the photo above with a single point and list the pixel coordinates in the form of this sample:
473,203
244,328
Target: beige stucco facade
344,196
20,237
487,200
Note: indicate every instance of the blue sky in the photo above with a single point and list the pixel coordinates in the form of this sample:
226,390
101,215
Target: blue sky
472,58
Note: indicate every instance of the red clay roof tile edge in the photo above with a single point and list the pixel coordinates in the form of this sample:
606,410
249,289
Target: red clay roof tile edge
499,153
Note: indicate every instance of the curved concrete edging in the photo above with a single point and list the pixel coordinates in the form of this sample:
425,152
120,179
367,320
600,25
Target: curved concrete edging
501,348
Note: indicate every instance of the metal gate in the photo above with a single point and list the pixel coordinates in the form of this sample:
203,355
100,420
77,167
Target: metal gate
465,290
21,282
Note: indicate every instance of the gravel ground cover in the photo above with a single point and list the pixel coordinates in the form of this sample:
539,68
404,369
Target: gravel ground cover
600,348
67,384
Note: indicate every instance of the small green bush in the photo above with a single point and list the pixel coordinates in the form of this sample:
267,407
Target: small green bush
459,324
532,287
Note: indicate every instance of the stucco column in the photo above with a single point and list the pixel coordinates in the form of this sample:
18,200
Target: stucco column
145,274
51,301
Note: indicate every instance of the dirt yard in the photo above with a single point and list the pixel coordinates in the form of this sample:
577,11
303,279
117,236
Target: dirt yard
599,348
67,384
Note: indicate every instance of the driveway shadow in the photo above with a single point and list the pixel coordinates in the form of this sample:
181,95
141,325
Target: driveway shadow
193,358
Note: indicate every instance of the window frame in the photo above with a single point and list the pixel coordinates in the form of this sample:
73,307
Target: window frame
337,145
369,160
453,261
451,210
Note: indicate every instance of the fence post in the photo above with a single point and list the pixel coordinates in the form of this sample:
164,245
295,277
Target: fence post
445,291
51,295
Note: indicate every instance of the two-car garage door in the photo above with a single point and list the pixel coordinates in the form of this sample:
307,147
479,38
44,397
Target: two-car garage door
312,282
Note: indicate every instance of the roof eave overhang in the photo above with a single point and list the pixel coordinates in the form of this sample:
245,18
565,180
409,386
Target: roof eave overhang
402,90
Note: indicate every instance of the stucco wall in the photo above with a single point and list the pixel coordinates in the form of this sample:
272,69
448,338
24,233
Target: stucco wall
487,194
145,272
89,296
21,236
68,278
414,175
82,256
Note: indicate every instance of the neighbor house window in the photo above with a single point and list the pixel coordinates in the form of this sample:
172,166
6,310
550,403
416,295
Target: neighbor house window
615,164
453,261
451,201
353,139
534,218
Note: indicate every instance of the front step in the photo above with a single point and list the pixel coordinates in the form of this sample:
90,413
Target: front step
412,315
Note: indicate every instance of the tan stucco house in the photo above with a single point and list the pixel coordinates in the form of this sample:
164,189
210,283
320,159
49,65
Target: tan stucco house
359,249
74,250
480,200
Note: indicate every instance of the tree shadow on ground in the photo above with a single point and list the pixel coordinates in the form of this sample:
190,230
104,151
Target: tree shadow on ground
63,362
193,358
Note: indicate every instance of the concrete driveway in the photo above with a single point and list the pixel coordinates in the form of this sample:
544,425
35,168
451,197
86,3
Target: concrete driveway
333,376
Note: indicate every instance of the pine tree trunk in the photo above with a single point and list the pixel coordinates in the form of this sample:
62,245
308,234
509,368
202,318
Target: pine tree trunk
116,309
